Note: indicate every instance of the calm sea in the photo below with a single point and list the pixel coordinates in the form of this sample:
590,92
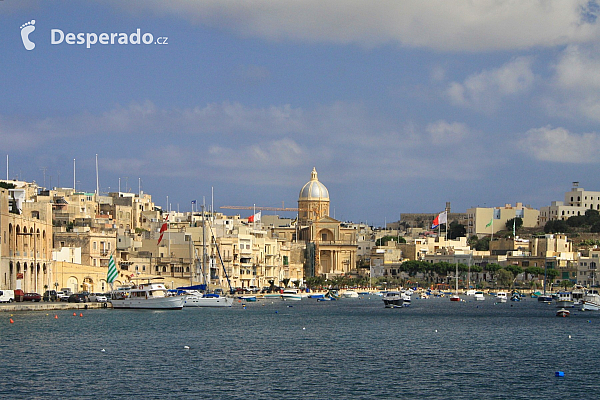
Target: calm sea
349,349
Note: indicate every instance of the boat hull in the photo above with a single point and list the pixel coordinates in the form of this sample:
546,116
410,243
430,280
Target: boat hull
195,301
161,303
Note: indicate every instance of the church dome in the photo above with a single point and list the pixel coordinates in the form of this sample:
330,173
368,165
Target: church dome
314,190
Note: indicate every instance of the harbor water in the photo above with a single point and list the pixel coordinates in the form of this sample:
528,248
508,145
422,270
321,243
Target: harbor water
273,349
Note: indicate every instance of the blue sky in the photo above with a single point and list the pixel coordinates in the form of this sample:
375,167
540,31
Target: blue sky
400,106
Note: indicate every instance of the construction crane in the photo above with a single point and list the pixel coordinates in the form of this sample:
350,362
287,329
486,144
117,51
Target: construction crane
282,208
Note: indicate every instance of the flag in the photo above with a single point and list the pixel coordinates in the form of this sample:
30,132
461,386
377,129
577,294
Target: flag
193,201
441,218
489,223
163,228
112,270
255,217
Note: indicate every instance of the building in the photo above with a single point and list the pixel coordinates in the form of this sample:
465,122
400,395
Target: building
577,202
25,239
330,245
483,221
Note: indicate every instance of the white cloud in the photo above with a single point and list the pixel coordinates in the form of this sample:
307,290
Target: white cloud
233,142
575,85
578,69
485,90
560,145
437,24
442,132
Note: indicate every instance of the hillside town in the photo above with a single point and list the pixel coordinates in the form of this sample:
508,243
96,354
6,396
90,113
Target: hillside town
61,238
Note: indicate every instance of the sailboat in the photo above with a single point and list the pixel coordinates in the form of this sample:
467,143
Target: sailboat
455,296
194,297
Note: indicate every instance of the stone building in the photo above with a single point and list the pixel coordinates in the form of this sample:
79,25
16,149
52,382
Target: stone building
330,245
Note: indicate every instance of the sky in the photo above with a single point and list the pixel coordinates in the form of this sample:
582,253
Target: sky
400,106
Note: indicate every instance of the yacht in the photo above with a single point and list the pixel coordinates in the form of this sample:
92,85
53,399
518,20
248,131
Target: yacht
392,299
502,297
197,299
291,294
591,301
149,295
350,294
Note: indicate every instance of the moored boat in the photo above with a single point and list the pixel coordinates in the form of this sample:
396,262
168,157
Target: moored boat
350,294
591,301
149,295
479,296
393,299
564,300
502,297
291,294
207,300
563,312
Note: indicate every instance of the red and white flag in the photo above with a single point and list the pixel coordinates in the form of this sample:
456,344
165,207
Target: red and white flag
441,218
255,217
163,228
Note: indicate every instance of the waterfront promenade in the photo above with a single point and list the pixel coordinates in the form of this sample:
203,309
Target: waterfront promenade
50,305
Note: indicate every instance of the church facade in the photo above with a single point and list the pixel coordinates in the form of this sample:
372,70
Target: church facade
330,245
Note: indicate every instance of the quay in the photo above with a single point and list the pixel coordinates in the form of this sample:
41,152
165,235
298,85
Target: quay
52,305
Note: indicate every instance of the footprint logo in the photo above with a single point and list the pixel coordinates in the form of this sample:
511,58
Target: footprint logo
26,29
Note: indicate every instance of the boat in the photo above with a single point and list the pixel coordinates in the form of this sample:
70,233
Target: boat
564,300
350,294
563,312
149,295
291,294
577,293
406,299
249,298
392,299
316,296
544,298
502,297
479,296
207,300
515,296
591,301
455,296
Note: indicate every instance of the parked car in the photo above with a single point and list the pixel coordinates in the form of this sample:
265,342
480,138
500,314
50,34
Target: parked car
78,298
32,297
98,297
50,295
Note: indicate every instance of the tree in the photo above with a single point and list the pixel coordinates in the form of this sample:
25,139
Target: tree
492,268
456,230
517,221
558,226
285,282
551,274
504,278
566,283
384,240
534,271
515,270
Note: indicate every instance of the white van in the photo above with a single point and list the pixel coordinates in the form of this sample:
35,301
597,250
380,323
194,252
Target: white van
7,296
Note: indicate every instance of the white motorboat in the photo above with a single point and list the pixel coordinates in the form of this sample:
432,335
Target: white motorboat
207,300
564,300
149,295
291,294
591,301
392,299
502,297
479,296
406,298
350,294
